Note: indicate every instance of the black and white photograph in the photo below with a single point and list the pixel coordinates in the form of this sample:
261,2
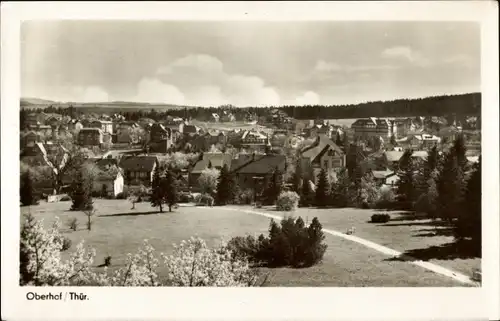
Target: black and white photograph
249,153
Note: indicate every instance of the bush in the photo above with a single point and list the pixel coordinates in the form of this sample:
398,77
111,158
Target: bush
380,218
291,244
73,224
204,199
245,197
185,197
287,201
387,199
121,196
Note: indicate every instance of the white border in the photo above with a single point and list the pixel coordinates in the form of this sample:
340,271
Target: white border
251,304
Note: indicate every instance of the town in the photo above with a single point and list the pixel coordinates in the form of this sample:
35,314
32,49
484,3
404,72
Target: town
257,158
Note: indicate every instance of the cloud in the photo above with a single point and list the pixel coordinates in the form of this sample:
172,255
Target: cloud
250,90
405,54
308,98
202,81
322,65
94,94
90,94
325,66
203,64
152,90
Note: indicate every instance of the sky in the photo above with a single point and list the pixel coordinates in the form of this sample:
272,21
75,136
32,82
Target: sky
247,63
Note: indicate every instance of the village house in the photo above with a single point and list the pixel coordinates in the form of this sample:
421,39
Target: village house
227,116
29,139
255,139
419,141
385,177
215,160
160,139
105,125
215,117
190,130
215,137
45,154
109,178
33,120
252,170
138,170
404,126
90,137
323,153
123,132
374,127
391,159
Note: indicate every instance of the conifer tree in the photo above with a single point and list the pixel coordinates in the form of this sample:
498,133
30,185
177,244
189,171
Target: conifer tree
406,192
338,140
353,164
157,190
297,177
274,187
306,194
340,189
224,186
171,193
469,220
81,191
27,190
345,142
450,187
322,189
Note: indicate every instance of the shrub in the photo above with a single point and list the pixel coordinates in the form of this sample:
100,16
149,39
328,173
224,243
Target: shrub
185,197
291,244
287,201
387,199
380,218
121,196
66,244
245,197
204,199
73,224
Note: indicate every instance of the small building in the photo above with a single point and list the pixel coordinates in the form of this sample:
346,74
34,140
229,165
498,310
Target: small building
105,125
90,137
216,160
385,177
160,138
138,170
323,153
373,127
252,169
109,179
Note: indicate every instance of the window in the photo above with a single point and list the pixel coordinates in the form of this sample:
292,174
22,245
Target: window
325,163
132,174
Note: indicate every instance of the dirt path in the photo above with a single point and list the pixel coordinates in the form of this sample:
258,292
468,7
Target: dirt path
377,247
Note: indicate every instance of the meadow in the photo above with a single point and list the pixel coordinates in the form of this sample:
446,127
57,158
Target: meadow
118,230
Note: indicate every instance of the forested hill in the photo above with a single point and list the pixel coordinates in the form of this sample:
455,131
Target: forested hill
465,104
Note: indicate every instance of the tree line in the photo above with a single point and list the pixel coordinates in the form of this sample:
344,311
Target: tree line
464,104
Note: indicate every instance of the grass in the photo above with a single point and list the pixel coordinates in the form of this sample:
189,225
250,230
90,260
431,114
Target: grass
419,238
118,230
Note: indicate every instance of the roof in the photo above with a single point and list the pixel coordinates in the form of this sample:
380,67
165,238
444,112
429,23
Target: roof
138,163
382,174
263,164
216,159
190,129
90,129
318,146
393,156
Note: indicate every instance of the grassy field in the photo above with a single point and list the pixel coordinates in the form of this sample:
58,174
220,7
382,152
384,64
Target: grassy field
118,230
